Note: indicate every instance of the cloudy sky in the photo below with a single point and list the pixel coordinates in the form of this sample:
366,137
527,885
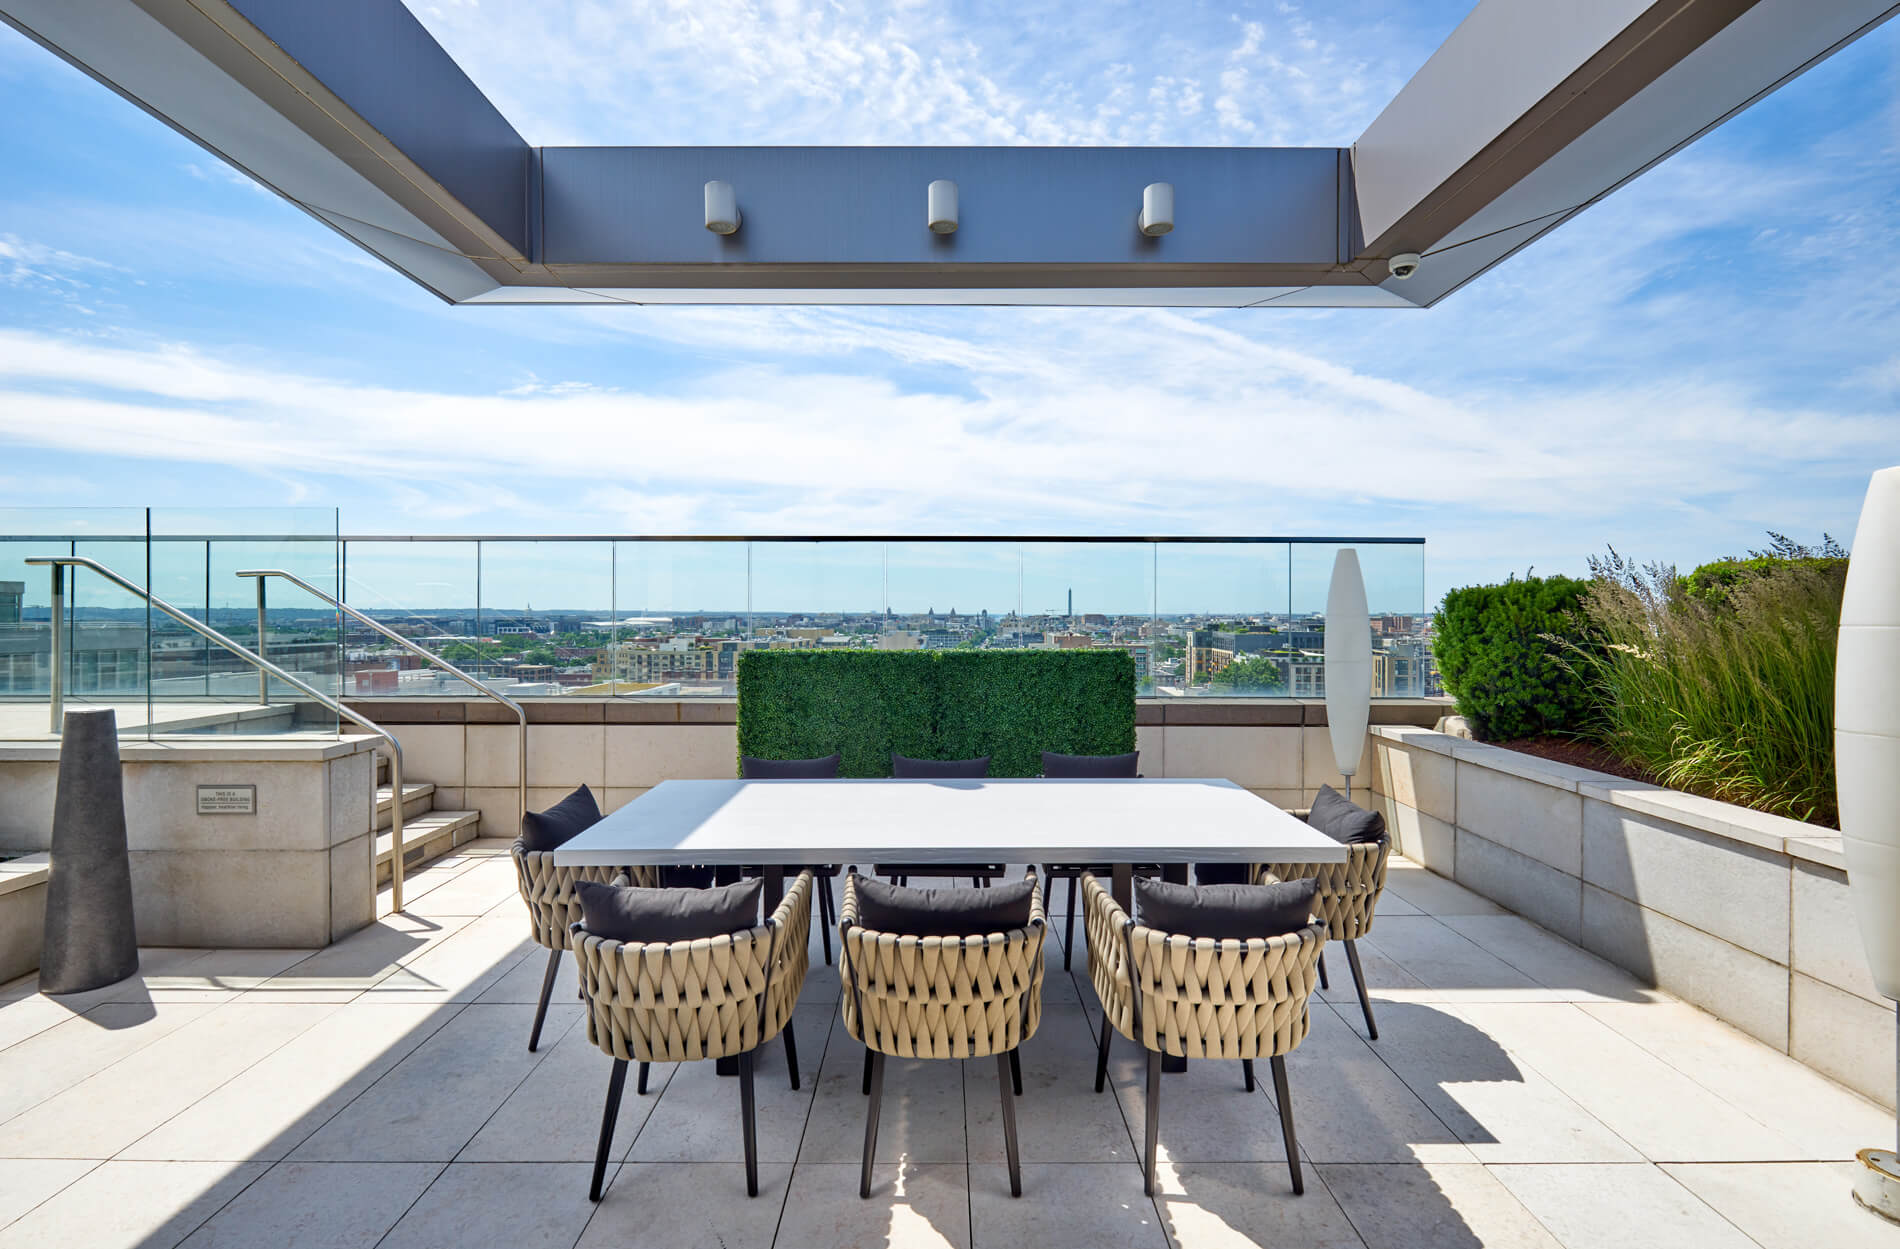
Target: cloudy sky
1712,352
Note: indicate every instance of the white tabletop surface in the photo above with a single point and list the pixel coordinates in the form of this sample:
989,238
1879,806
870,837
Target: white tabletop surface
889,821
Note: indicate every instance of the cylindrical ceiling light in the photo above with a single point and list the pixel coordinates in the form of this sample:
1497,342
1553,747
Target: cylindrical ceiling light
942,206
1157,209
722,208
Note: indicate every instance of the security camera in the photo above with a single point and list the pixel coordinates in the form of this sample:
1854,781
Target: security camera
1403,265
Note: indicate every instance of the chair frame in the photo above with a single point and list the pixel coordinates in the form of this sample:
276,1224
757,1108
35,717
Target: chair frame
554,907
683,1001
1197,997
941,997
1347,899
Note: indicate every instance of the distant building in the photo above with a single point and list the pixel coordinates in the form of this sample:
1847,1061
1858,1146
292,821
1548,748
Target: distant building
12,593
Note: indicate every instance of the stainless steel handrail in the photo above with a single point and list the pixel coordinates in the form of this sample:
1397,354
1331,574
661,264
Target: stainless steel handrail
59,564
474,683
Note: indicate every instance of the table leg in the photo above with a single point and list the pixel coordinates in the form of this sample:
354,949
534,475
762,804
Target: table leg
1122,886
1174,874
773,875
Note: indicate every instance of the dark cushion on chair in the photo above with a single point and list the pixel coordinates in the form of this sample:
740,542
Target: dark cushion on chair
554,827
1089,767
653,915
1344,820
1223,873
1226,912
939,769
789,769
943,912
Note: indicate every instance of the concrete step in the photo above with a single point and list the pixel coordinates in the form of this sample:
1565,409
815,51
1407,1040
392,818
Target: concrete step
426,839
418,797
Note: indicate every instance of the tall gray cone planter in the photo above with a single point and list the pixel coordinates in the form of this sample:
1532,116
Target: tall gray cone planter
91,939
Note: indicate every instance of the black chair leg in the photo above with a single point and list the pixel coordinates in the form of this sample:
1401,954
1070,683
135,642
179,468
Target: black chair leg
1285,1099
1006,1071
1068,927
748,1112
547,990
1323,982
1101,1056
641,1087
791,1054
615,1084
874,1085
870,1060
1359,979
1152,1134
824,916
1246,1072
1016,1071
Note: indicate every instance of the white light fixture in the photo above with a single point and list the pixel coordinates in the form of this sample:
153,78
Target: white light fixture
1403,265
1867,769
1348,664
722,208
942,206
1157,209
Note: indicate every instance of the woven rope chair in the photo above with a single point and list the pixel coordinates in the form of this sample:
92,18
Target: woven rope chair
552,908
1199,998
941,997
1347,898
682,1001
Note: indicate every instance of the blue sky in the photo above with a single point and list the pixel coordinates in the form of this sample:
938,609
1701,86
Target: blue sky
1712,352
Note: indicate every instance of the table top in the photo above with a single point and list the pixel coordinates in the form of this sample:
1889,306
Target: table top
1159,820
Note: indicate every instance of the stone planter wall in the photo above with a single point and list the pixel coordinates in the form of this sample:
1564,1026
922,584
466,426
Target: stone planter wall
22,914
1747,915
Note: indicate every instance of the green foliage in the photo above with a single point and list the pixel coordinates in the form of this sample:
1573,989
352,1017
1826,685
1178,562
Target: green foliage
1258,675
1712,582
954,704
1498,648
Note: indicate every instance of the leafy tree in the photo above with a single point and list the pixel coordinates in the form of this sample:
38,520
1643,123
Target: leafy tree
1260,674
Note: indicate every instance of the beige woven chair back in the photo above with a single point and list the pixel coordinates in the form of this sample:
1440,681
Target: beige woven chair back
941,997
1197,997
549,892
687,1000
1348,894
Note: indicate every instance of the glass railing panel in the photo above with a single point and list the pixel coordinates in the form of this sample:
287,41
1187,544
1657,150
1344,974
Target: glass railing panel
1095,594
681,612
427,592
816,595
1223,612
546,618
947,593
1394,576
301,633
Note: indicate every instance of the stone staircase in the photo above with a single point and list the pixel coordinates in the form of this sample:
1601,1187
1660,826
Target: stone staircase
427,833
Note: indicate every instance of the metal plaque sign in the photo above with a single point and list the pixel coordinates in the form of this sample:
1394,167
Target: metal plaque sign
227,800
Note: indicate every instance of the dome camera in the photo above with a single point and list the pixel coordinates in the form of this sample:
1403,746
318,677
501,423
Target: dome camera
1403,265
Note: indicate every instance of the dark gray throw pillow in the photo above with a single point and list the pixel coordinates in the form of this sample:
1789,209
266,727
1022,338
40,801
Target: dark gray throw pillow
554,827
824,769
1089,767
1344,820
905,768
961,912
655,915
1226,912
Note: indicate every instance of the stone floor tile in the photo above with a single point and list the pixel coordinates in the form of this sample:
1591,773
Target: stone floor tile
131,1205
1348,1106
1206,1113
1450,966
153,961
26,1182
361,960
1059,1118
28,1016
667,1204
270,1109
1244,1205
476,890
1788,1205
57,1058
1434,894
434,1101
697,1119
1653,1106
1503,1110
911,1206
214,975
102,1115
1823,1119
1384,976
1551,961
521,982
923,1108
466,964
1065,1205
317,1205
1619,1207
517,1205
1434,1206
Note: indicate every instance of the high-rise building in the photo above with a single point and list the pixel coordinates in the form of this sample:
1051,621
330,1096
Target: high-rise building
12,593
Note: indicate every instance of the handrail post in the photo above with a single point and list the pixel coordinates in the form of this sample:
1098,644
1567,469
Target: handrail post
263,677
521,814
395,823
56,677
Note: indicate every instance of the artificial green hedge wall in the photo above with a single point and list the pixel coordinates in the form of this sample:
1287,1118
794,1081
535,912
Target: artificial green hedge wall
1010,705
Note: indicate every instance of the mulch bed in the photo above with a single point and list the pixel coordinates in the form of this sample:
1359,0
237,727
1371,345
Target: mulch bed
1578,755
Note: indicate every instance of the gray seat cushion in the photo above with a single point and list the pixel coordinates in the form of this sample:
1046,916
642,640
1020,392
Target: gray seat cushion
824,769
1225,912
943,912
554,827
1089,767
906,768
656,915
1344,820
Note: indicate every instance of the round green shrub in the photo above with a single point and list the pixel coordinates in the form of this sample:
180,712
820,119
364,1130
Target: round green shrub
1509,678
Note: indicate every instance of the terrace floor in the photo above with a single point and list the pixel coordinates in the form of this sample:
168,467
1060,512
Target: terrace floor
380,1092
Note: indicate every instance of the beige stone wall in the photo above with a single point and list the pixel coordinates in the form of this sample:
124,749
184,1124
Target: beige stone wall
1747,915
